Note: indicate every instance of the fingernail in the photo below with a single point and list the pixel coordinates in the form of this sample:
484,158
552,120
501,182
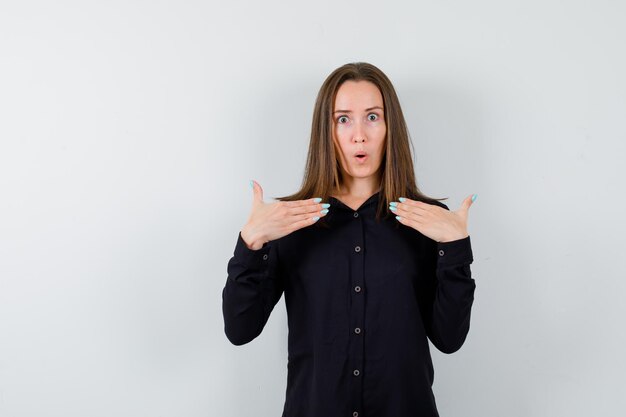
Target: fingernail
316,218
317,199
324,211
393,203
398,217
474,197
251,184
393,209
325,205
402,199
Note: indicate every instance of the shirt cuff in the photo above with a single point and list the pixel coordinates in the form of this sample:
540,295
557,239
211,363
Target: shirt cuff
455,252
249,257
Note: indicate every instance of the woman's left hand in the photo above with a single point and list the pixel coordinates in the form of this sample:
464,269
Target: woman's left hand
433,221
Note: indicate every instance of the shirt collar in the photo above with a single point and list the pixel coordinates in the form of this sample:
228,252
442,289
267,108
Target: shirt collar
372,200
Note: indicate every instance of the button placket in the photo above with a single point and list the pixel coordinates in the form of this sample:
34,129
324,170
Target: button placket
357,309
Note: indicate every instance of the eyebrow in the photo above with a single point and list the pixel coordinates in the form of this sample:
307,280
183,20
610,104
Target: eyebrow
350,111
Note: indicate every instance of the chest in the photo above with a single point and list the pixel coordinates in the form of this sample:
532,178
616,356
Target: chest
331,262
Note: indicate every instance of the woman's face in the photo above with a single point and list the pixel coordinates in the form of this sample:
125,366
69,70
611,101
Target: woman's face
359,128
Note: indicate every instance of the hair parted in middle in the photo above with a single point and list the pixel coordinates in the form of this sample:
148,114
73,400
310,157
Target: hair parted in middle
322,174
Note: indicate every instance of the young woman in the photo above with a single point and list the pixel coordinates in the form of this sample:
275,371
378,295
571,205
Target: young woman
367,279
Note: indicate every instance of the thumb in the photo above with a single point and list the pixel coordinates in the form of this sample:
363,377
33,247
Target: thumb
257,192
467,203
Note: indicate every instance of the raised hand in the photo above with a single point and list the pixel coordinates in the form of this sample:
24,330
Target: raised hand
270,221
433,221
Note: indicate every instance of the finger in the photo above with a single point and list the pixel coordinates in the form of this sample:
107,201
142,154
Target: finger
467,203
257,190
303,221
308,206
412,209
310,210
302,203
415,224
409,212
417,205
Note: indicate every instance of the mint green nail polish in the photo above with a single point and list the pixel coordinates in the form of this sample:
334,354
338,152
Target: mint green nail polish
402,199
398,217
324,211
393,209
317,199
393,203
325,205
474,197
251,184
316,218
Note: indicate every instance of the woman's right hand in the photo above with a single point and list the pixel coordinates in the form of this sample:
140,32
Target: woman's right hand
271,221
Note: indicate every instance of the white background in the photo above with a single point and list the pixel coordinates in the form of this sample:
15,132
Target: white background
130,130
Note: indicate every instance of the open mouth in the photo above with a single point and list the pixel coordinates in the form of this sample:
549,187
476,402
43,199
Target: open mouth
361,156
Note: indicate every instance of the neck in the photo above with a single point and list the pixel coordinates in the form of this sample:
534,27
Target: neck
358,187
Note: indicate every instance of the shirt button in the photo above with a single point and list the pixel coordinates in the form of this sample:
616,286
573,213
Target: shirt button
356,372
357,330
357,249
265,257
356,215
357,289
355,414
441,252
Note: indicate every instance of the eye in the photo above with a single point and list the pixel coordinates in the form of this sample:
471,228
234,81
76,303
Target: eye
372,117
342,119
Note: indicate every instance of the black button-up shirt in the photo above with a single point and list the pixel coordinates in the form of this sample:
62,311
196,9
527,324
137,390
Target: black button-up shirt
363,298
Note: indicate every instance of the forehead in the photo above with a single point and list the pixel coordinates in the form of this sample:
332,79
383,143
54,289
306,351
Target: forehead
358,95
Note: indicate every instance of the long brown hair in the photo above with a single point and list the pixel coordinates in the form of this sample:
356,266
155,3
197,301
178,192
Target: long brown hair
322,173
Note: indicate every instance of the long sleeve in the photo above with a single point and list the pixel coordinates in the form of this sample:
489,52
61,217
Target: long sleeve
447,301
454,295
253,287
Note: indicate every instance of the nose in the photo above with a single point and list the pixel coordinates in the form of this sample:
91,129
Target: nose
359,134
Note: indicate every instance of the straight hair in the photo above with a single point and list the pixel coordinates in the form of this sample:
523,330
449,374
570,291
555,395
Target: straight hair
322,173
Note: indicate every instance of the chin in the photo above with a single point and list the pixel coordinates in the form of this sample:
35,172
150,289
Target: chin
362,174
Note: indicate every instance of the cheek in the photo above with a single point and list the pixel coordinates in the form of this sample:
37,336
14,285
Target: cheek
341,137
341,131
382,131
381,134
338,142
381,148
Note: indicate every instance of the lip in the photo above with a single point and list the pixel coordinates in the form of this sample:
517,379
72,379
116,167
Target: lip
362,159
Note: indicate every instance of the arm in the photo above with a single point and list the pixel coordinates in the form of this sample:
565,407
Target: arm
447,300
454,295
253,287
